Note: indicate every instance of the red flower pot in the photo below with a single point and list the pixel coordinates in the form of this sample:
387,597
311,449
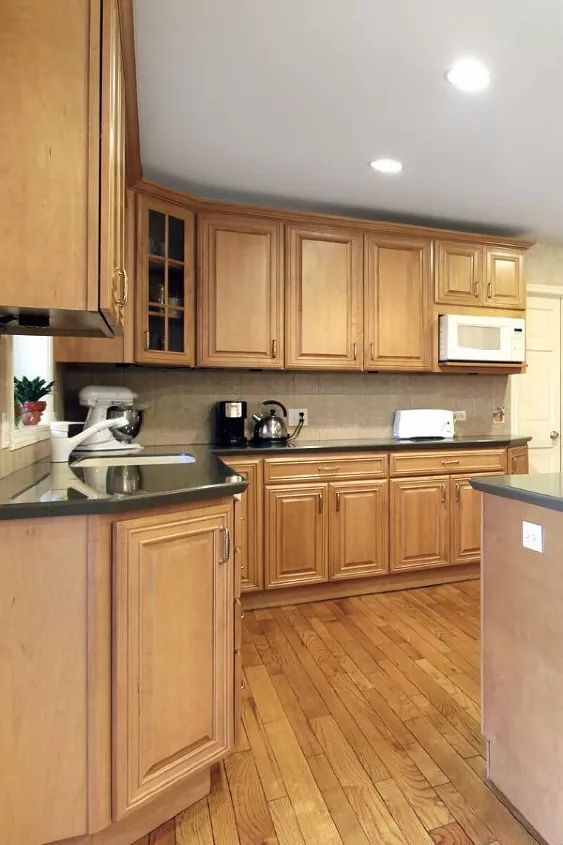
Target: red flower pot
32,411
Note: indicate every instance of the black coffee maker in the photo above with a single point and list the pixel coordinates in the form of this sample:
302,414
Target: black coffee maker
230,416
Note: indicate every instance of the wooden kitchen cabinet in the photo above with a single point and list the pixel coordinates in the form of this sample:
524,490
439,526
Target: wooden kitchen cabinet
504,278
323,298
240,292
397,318
165,283
173,650
251,520
296,536
458,273
359,529
420,536
62,244
518,460
465,520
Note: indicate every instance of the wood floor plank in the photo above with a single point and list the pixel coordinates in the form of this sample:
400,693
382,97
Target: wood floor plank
451,834
335,798
475,828
407,820
285,822
268,771
193,826
254,823
426,764
164,835
221,811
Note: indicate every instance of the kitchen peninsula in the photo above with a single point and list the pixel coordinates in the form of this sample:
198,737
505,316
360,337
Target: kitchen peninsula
522,631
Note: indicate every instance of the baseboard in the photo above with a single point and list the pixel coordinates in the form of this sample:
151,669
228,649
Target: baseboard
361,586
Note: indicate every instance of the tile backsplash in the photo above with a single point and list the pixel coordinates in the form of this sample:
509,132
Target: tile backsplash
179,403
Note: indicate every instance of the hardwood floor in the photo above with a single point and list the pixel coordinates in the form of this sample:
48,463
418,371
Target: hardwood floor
360,726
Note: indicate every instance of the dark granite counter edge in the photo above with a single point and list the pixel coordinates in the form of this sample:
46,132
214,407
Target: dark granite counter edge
542,500
389,445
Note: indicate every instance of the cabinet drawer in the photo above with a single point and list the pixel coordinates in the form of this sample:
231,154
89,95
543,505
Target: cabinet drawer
326,466
429,463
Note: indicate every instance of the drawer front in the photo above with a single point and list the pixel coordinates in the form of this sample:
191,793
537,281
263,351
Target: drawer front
430,463
326,467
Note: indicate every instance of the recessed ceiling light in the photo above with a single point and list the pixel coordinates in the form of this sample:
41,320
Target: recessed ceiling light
469,74
386,165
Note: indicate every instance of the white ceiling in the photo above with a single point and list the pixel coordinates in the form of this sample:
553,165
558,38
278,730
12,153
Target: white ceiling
286,101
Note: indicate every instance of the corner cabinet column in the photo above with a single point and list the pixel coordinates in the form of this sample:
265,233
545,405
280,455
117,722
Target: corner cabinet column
397,311
323,298
173,650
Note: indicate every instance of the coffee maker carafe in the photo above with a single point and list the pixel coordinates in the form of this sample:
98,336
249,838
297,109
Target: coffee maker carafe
230,417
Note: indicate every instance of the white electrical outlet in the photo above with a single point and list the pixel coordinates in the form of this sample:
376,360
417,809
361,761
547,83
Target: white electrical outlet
460,416
295,418
532,536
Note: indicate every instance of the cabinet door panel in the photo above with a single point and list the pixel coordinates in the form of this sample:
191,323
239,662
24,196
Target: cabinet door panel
419,523
240,278
251,518
173,671
359,529
323,315
465,519
397,318
458,273
295,531
505,279
518,460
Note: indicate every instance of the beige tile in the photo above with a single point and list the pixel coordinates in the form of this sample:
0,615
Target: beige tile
330,384
306,383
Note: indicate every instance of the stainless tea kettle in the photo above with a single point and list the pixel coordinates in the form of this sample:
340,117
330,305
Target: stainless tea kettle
270,428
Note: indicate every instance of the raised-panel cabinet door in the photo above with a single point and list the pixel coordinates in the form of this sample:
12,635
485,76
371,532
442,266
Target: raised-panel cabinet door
419,523
458,273
113,275
165,284
465,520
251,518
518,460
240,292
397,291
359,529
173,650
323,298
295,534
505,278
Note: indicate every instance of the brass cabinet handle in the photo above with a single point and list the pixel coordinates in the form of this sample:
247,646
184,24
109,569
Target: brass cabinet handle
121,300
241,613
476,287
147,340
452,461
325,468
457,491
274,348
338,502
242,685
320,495
372,351
226,545
444,494
355,350
489,290
513,463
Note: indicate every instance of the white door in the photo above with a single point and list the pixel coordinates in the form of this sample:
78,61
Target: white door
538,391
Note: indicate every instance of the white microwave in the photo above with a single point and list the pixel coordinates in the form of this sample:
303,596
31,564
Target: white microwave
466,337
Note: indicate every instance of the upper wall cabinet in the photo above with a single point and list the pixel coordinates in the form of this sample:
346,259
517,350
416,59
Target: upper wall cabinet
240,292
61,243
165,291
458,273
471,274
397,319
505,279
323,298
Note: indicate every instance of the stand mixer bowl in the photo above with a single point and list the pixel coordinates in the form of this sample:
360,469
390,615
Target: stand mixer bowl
126,433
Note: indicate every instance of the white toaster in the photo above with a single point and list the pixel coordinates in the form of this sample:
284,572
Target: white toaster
423,424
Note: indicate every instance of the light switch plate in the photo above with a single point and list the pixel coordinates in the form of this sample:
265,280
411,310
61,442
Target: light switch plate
532,536
293,414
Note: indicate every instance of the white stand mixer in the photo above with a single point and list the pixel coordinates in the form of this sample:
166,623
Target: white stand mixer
98,399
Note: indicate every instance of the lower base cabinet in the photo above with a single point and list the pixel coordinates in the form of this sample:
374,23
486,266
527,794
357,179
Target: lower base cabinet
419,523
173,670
359,536
465,520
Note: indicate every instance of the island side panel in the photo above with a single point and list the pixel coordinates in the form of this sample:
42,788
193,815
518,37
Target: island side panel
43,705
522,614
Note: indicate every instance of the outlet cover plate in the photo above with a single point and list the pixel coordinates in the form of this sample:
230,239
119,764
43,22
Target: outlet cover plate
293,416
460,416
532,536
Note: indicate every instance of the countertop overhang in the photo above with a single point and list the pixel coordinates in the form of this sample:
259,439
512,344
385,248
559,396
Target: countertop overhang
44,489
543,490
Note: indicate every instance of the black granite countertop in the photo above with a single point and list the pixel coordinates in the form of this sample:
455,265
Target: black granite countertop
45,489
544,490
387,443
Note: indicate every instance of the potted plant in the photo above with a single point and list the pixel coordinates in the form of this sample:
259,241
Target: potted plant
28,395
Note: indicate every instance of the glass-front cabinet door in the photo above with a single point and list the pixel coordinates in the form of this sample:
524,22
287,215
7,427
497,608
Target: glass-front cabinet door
165,279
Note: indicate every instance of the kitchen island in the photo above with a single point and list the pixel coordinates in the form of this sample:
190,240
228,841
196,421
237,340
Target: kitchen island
522,636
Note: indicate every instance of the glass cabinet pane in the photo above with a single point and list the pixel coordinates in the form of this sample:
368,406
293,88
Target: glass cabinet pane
157,228
157,286
175,238
156,339
175,285
176,332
